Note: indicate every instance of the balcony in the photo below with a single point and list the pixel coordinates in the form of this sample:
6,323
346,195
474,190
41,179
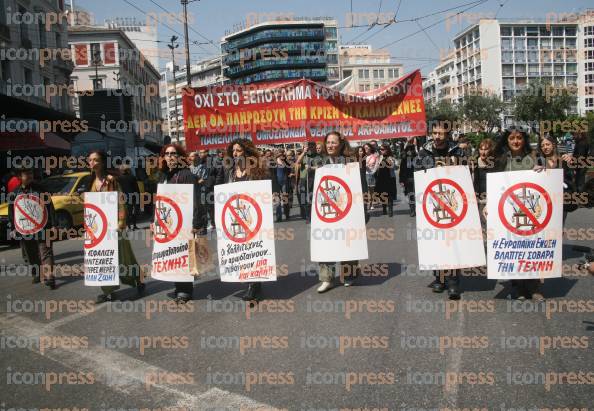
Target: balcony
285,63
265,36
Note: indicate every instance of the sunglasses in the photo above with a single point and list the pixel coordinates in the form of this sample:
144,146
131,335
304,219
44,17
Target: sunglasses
171,154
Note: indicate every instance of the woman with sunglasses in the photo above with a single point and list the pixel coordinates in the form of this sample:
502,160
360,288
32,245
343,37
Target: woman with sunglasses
173,167
101,181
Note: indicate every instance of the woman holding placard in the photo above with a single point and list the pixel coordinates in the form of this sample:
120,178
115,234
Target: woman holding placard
513,153
101,181
173,170
245,165
336,150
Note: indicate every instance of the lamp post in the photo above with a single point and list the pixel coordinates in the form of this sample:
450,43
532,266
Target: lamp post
172,46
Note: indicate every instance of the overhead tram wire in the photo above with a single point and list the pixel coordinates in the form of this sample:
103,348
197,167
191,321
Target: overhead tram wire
433,24
210,42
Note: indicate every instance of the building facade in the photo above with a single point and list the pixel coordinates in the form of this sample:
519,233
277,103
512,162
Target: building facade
367,68
22,29
106,59
142,34
504,57
441,83
204,73
586,62
289,48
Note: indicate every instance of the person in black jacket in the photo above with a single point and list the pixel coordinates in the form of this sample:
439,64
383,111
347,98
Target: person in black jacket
129,186
174,171
33,231
406,172
438,152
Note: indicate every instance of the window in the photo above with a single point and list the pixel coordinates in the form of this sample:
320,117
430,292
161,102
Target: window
28,74
588,90
23,29
589,42
545,43
532,31
570,43
589,31
519,31
361,87
570,31
97,83
558,31
506,56
96,54
42,34
532,43
520,70
519,44
2,11
589,54
545,31
393,73
590,102
520,57
508,70
533,69
505,31
533,56
109,53
508,83
378,73
5,70
506,44
363,73
571,68
547,69
589,78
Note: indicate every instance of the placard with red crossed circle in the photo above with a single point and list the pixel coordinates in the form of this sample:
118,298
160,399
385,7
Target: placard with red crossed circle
523,201
322,197
168,219
454,215
238,213
95,232
30,215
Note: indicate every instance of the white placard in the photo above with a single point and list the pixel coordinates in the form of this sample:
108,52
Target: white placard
101,259
245,228
174,205
525,224
338,230
449,234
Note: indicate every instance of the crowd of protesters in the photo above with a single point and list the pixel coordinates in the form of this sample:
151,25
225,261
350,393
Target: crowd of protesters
292,171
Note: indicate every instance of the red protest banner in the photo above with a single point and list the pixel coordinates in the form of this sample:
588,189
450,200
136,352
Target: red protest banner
299,110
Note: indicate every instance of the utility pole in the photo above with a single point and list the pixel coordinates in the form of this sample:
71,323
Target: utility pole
172,46
187,40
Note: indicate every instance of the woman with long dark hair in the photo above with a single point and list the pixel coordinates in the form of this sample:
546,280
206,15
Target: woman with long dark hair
101,180
385,178
245,164
548,152
336,150
484,164
513,153
174,170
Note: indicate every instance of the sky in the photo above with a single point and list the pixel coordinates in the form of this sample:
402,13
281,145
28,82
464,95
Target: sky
424,30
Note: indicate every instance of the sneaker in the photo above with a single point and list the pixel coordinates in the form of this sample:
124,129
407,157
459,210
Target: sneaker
140,289
438,287
51,284
325,286
537,296
349,281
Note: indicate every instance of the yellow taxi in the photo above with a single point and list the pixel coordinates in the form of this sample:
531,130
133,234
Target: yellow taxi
66,191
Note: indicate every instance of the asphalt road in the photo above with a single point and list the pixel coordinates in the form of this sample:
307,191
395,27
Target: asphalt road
386,343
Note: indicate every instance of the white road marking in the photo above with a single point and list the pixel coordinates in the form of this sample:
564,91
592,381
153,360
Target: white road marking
121,372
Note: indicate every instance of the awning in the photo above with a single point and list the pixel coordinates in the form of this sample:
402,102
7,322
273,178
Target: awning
144,152
32,141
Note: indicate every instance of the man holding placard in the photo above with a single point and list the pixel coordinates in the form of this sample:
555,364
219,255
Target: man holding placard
31,217
439,152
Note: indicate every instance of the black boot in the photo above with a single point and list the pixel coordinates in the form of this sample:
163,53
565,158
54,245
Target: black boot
253,292
454,286
383,210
